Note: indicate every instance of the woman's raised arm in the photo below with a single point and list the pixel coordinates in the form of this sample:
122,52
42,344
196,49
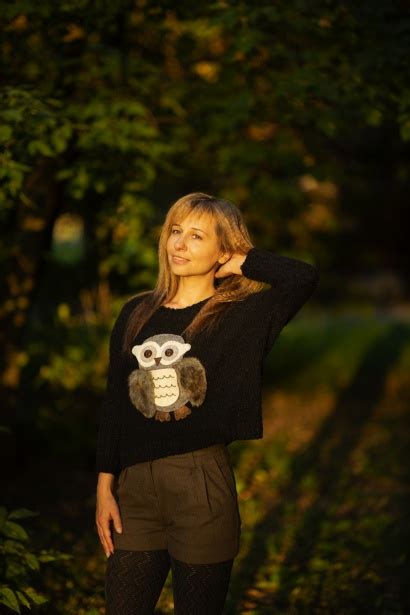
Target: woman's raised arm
292,281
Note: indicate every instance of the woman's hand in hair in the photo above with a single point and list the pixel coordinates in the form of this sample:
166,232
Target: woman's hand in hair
231,267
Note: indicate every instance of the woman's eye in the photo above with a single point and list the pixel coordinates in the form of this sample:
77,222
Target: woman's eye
175,230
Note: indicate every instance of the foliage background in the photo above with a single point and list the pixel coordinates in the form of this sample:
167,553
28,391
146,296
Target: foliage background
297,111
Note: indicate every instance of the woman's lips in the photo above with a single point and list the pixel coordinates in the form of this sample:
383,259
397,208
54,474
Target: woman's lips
179,260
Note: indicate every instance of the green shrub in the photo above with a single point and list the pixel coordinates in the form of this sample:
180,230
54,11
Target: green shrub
19,564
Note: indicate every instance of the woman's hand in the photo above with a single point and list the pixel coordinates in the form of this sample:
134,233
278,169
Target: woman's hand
107,510
231,267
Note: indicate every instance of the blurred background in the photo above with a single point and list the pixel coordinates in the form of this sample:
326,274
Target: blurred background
298,112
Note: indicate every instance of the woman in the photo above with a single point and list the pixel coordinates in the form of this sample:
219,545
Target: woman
184,381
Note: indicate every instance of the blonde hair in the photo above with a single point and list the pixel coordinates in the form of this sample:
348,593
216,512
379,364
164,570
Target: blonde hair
233,237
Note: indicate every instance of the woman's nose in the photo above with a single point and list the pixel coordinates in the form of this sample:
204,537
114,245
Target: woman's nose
180,242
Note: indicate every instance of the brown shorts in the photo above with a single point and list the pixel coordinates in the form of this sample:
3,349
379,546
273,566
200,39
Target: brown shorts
185,503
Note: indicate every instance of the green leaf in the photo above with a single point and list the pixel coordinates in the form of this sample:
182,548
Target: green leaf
9,599
60,136
23,599
13,530
405,130
21,513
32,561
35,596
15,568
13,546
39,147
5,133
374,117
53,556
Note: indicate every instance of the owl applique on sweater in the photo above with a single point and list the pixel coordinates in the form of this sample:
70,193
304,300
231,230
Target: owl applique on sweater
165,380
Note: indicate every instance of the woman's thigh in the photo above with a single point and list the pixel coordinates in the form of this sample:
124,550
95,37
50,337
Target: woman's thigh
200,588
134,580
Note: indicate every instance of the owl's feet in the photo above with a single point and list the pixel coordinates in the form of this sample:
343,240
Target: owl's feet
162,416
182,412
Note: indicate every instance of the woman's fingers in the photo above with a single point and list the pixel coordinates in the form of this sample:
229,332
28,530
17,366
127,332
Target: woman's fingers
103,541
107,537
116,517
107,509
231,267
104,533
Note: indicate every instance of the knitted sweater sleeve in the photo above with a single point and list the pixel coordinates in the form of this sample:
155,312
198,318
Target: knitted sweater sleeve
107,453
292,283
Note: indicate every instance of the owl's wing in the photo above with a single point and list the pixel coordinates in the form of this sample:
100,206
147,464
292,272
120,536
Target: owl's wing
141,391
192,377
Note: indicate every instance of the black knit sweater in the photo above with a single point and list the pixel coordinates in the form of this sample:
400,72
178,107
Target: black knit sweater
218,377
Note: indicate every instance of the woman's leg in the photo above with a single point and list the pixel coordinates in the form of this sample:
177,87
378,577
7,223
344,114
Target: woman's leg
134,580
200,588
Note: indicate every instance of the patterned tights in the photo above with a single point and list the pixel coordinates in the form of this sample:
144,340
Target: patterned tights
134,580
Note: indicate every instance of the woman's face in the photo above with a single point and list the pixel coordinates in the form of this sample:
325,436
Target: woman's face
192,246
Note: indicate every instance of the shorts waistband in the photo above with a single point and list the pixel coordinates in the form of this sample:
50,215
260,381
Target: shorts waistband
220,450
200,452
190,457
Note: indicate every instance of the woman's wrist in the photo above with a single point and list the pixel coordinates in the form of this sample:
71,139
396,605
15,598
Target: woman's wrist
232,266
105,483
240,260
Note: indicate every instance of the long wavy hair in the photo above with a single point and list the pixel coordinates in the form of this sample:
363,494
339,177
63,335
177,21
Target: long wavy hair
233,237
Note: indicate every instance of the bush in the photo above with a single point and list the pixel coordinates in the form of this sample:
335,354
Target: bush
18,564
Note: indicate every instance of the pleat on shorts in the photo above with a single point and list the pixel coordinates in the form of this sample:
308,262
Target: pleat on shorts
185,503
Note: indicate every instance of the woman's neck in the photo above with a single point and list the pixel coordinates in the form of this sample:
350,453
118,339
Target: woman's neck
192,289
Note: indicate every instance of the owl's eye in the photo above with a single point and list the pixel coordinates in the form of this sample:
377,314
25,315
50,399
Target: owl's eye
147,354
169,352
